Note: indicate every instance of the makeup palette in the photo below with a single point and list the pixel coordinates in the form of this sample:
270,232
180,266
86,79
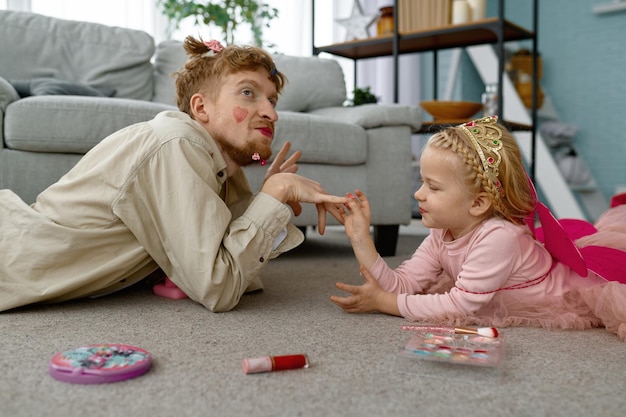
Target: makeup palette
101,363
463,349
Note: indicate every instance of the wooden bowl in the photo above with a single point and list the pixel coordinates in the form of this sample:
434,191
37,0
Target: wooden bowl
451,111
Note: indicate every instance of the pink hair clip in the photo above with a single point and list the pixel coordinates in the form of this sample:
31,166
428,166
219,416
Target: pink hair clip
257,157
214,46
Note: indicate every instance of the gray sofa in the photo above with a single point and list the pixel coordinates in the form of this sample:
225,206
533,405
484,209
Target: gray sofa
88,80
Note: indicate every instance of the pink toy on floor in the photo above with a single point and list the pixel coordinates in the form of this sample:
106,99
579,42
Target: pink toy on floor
169,290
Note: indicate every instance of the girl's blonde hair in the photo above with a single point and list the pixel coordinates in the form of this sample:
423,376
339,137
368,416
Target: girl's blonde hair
205,69
511,192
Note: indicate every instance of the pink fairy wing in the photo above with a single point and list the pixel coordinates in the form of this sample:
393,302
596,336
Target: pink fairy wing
558,242
607,262
530,219
576,228
618,199
558,237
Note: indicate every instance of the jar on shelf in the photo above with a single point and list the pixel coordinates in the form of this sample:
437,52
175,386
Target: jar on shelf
460,11
520,67
385,25
490,100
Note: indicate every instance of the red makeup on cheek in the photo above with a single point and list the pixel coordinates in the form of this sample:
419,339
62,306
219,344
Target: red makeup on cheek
239,114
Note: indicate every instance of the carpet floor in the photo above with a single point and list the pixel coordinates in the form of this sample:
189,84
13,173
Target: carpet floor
355,369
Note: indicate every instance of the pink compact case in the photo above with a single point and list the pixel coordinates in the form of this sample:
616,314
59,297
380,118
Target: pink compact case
99,363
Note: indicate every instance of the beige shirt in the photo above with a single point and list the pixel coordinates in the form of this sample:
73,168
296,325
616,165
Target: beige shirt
154,194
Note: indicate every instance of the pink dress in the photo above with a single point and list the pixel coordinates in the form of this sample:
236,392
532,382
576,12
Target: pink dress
500,275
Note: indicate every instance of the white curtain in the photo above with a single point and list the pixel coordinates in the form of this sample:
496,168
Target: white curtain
291,32
18,5
136,14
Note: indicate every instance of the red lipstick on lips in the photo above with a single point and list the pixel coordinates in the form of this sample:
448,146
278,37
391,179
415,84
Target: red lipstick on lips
266,131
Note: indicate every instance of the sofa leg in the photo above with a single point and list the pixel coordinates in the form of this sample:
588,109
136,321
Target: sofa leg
386,239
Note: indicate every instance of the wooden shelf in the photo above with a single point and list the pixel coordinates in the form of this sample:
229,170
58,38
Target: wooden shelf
451,36
433,127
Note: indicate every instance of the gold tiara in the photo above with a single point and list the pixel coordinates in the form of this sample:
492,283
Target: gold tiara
485,135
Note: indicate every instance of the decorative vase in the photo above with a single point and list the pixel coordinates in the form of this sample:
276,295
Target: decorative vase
385,24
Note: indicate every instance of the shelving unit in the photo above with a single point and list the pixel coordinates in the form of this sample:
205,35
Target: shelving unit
495,30
451,36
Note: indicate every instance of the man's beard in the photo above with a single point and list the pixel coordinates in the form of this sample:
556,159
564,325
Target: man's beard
242,156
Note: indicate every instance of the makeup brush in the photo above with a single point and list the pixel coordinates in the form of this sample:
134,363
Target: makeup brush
482,331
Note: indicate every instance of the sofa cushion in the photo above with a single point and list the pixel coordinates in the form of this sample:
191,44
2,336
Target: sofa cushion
370,116
53,86
313,83
70,124
36,46
322,140
336,142
300,94
170,57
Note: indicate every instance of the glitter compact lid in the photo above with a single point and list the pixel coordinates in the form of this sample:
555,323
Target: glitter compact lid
99,363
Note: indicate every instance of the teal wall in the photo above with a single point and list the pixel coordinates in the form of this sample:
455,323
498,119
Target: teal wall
584,73
584,59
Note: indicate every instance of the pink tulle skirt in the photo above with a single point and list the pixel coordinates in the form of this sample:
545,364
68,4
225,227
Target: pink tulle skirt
602,305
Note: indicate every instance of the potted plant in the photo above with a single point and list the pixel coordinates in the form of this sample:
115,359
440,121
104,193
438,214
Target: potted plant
363,96
224,14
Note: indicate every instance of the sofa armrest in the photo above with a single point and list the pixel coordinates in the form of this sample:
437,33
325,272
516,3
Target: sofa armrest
7,94
370,116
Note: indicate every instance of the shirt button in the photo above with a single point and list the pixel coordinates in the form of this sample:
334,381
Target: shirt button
261,259
220,174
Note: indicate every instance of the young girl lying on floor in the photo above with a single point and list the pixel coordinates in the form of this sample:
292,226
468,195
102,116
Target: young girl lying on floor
482,263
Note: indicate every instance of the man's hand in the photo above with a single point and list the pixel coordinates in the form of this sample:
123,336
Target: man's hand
291,188
366,298
280,165
289,166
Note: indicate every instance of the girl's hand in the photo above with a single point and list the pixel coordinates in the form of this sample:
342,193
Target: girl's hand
356,219
367,297
357,216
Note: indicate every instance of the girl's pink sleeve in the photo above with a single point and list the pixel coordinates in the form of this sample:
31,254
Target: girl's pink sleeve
484,268
413,274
